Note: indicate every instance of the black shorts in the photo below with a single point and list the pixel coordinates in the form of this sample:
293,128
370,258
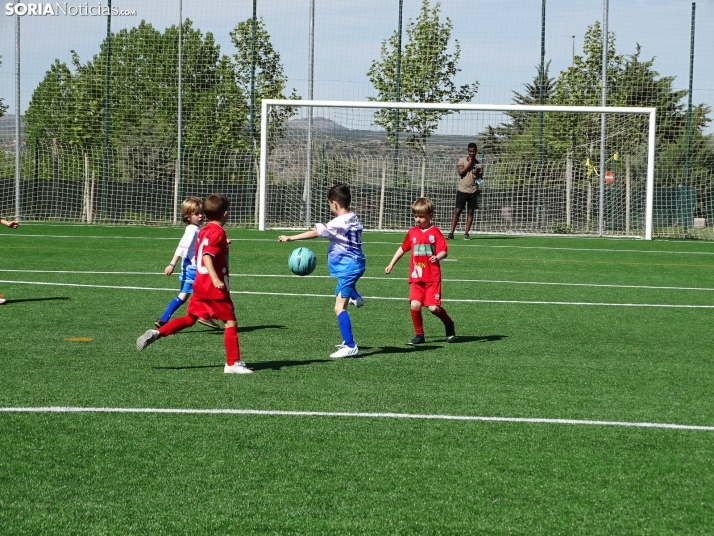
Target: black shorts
472,200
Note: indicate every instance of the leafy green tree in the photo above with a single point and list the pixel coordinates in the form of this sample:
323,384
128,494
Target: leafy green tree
427,73
270,79
510,136
49,113
631,82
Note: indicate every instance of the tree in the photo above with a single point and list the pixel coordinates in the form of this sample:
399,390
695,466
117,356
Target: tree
427,72
49,114
632,82
507,137
270,79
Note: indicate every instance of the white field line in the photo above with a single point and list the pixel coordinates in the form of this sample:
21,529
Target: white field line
523,420
471,244
402,298
286,276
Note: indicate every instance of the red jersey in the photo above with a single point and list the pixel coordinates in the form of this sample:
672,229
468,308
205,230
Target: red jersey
212,241
424,243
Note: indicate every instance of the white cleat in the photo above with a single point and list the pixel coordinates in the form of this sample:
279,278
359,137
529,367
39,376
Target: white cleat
149,336
345,351
239,367
357,302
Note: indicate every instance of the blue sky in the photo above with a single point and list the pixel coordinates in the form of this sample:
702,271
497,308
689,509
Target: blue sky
500,39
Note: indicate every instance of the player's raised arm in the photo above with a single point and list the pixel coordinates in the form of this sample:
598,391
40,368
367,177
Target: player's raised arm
302,236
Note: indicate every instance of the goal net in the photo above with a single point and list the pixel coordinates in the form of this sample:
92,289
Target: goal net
542,166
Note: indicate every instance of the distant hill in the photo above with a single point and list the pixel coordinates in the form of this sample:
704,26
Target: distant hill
374,142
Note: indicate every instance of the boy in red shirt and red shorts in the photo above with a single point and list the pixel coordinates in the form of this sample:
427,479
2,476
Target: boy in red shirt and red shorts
428,247
211,297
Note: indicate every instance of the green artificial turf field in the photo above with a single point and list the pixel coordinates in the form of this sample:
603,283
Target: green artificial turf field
573,343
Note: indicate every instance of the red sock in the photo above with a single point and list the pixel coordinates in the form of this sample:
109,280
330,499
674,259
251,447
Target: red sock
176,325
417,321
230,341
441,314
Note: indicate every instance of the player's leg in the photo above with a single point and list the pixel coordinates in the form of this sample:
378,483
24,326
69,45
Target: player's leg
348,347
454,221
433,301
416,300
171,308
472,205
174,326
234,365
356,299
469,221
186,278
459,205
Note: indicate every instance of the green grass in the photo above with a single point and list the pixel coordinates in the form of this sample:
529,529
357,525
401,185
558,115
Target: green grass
148,473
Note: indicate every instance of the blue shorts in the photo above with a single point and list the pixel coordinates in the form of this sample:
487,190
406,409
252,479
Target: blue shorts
186,279
347,284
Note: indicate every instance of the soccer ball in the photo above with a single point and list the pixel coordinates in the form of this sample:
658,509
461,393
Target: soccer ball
302,261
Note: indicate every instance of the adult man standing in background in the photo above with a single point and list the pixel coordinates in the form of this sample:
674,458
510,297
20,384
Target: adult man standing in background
467,194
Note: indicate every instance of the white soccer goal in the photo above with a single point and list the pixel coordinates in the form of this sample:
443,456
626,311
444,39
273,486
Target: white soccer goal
541,165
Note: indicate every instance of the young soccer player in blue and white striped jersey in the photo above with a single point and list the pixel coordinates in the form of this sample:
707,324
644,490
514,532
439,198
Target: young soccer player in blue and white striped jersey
345,260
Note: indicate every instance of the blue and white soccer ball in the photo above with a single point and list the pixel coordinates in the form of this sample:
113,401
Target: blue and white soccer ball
302,261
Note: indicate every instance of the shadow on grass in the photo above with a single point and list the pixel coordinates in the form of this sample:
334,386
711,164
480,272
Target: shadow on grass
196,329
246,329
188,367
268,365
37,299
365,351
278,365
460,339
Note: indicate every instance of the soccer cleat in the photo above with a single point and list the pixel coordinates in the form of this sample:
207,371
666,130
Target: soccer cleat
345,351
149,336
450,236
450,332
419,339
2,300
209,323
237,368
466,236
160,323
358,301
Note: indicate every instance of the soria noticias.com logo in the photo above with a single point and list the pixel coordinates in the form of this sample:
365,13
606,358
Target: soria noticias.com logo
56,9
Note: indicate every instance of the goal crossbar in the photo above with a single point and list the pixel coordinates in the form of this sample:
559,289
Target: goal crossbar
651,112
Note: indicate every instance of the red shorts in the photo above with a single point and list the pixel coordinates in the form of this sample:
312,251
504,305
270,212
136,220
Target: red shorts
426,293
206,308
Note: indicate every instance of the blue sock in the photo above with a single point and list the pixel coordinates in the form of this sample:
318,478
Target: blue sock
354,294
171,309
343,320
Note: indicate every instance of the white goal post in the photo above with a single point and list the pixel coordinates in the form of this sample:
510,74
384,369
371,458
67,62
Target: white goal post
503,110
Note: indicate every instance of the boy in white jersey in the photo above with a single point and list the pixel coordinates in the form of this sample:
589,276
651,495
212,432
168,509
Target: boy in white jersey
428,247
192,216
345,260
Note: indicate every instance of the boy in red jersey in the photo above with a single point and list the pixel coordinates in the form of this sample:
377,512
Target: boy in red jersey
210,298
428,247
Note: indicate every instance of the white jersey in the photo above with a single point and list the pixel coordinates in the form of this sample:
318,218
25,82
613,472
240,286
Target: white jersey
187,247
344,256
